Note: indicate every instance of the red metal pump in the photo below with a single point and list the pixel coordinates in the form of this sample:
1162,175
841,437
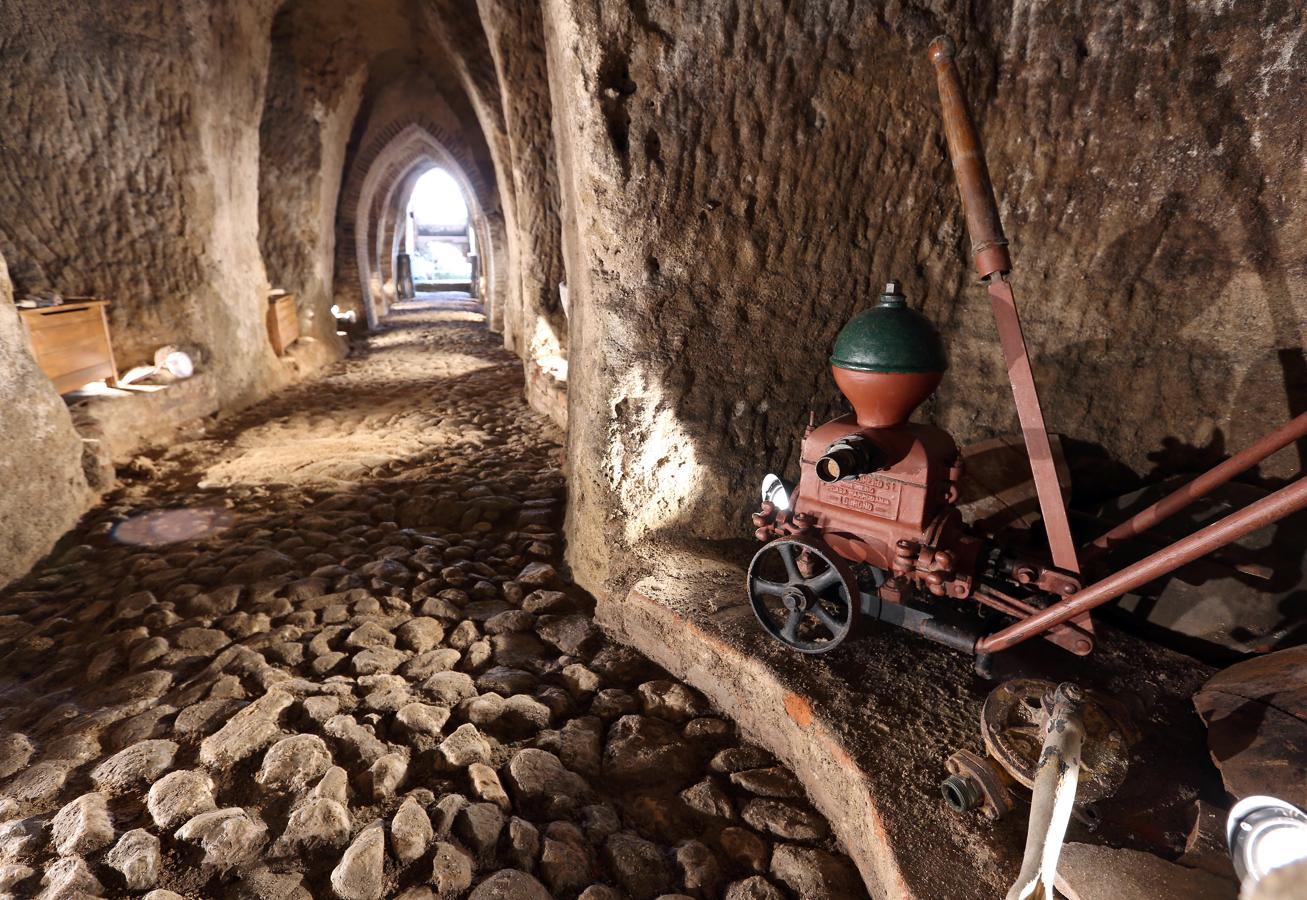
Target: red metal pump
872,529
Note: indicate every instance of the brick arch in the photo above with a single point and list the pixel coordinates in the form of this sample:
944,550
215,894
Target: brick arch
370,196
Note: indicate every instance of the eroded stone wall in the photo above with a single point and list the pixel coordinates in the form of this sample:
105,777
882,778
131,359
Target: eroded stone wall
128,168
128,172
516,38
743,177
140,163
314,90
45,489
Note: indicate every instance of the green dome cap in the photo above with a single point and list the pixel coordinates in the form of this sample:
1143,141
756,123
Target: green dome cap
889,337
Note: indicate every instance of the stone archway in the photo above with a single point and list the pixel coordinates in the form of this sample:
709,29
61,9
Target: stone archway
410,151
380,180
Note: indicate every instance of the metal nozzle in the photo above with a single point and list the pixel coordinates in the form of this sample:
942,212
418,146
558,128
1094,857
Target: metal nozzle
961,793
849,457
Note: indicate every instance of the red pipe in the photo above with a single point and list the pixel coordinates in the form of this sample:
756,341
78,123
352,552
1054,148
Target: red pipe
1172,503
967,154
1286,501
989,245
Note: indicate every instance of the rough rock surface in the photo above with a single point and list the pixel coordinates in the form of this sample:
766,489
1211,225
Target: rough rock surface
813,873
294,762
136,856
179,796
46,497
1086,872
361,872
1256,715
82,826
547,774
844,184
229,837
138,765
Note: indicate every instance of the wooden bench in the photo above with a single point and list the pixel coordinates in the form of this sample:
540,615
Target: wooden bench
283,322
71,343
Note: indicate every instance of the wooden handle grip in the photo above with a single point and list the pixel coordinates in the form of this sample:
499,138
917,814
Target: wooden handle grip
968,157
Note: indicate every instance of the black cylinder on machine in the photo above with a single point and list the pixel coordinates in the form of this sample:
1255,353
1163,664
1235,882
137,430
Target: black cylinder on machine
850,457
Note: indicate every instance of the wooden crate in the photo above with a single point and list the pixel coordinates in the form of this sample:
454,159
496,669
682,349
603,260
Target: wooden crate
71,343
283,322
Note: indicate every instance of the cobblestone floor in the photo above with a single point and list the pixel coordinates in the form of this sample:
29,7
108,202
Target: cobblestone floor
325,648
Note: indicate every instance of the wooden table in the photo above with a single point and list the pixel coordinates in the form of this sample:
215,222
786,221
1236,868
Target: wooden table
71,343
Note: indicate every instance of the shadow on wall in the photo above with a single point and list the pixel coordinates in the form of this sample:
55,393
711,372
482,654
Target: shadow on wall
1154,285
720,257
1226,128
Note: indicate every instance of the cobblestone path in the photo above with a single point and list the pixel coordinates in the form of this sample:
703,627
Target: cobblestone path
326,648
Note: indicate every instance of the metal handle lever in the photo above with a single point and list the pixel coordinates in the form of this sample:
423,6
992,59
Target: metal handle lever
992,262
968,156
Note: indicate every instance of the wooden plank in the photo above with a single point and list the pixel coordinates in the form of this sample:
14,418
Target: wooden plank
68,305
69,331
287,320
69,357
71,343
283,322
112,378
71,381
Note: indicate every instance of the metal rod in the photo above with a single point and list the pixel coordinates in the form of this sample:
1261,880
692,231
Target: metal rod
1285,501
1216,557
989,245
1293,430
1076,636
932,627
968,157
1043,468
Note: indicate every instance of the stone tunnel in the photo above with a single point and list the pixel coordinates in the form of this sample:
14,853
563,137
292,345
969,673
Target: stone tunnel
388,386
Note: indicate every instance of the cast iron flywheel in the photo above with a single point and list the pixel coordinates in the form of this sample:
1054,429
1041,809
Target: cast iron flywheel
803,594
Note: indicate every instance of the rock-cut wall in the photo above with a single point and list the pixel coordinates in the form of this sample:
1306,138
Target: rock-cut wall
743,178
44,488
128,171
515,36
181,158
313,92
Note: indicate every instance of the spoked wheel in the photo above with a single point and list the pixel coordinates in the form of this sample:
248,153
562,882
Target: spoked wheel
1012,725
803,594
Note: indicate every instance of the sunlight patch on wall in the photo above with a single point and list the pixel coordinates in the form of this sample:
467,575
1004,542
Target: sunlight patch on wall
654,467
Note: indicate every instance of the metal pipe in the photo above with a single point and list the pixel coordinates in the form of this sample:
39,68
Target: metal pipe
1053,796
849,457
989,246
1285,501
932,627
1253,570
1291,431
988,243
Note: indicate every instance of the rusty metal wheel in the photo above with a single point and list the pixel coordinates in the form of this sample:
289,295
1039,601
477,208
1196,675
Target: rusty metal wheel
803,594
1012,725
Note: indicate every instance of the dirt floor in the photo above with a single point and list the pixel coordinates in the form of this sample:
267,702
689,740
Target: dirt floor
327,648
